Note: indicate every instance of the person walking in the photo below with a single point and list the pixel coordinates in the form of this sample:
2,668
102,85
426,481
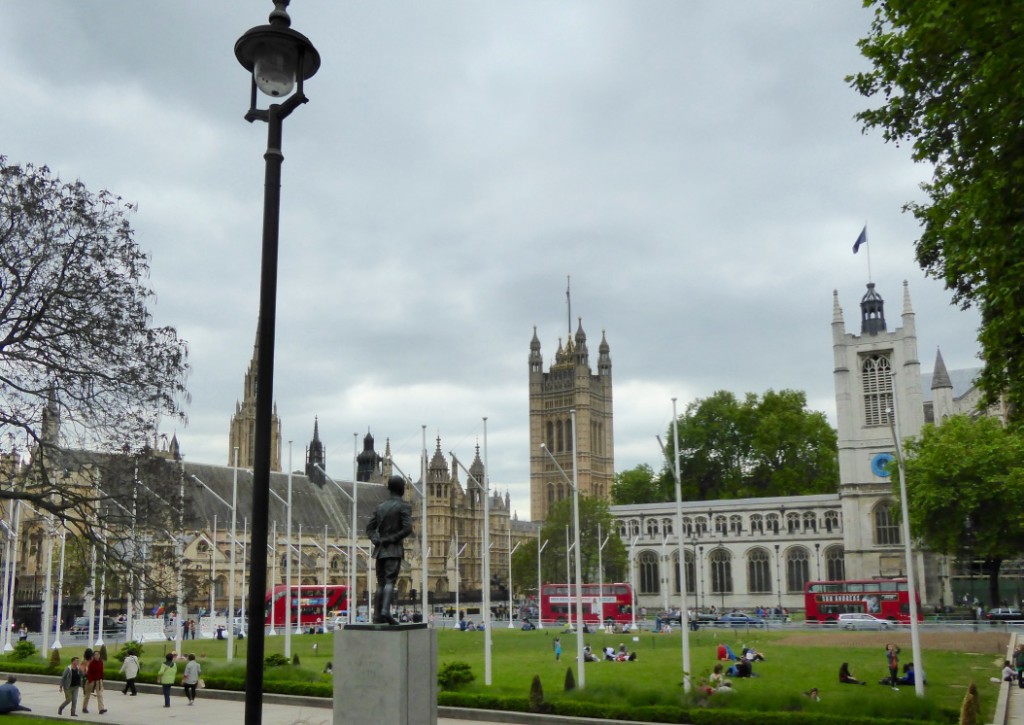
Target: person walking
70,682
94,683
190,678
558,649
130,668
165,676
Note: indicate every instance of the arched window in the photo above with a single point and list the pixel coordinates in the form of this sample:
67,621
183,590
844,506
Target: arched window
691,572
634,528
736,524
666,527
569,437
759,572
835,566
887,532
559,436
220,587
551,435
797,569
720,562
623,531
551,493
831,521
688,526
441,587
202,547
649,575
652,527
877,382
772,522
810,521
720,525
702,526
792,522
336,562
756,524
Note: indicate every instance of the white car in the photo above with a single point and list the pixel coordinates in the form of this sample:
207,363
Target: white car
859,620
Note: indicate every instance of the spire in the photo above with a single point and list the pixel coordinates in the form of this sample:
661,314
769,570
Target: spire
174,448
536,361
316,456
604,360
582,357
907,309
940,377
837,310
872,312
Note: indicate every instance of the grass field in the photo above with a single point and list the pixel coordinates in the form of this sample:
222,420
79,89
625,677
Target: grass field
796,661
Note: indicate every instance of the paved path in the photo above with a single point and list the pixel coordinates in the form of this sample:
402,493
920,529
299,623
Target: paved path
44,699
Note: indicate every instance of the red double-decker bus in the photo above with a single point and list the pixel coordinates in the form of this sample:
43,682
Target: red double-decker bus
884,598
307,603
612,602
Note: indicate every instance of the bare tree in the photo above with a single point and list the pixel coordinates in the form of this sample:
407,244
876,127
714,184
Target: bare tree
84,375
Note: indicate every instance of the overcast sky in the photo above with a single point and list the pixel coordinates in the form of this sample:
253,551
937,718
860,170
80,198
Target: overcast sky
694,166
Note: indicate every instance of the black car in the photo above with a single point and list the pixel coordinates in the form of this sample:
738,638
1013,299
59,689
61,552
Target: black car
81,626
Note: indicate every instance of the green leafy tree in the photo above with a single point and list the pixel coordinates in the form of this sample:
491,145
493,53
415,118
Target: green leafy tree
948,75
965,491
77,343
592,513
760,446
637,485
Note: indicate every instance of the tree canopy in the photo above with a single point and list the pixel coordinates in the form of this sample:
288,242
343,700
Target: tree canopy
82,367
965,491
759,446
637,485
949,78
593,512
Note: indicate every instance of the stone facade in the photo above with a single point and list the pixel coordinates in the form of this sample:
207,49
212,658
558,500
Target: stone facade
570,385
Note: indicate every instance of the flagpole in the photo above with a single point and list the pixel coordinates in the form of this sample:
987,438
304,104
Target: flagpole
869,252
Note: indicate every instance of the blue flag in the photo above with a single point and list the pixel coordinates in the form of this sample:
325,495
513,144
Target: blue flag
862,239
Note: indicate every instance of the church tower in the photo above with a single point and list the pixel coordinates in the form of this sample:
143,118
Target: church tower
242,433
874,370
570,384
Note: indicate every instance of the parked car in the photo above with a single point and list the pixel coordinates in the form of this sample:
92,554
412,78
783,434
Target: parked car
1004,614
740,619
862,620
80,628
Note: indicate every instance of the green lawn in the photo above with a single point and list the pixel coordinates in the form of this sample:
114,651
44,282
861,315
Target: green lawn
796,661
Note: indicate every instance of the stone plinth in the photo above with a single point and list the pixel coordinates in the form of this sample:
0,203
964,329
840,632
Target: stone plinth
385,674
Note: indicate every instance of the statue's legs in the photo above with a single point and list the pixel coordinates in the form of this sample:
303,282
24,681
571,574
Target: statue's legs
387,574
388,594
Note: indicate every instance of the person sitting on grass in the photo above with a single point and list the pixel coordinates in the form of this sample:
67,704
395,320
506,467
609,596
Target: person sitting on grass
846,677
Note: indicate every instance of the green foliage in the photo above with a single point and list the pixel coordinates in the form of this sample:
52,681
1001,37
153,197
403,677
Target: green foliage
24,650
570,681
592,513
537,703
965,491
767,446
948,78
103,652
128,648
638,485
275,660
55,658
454,675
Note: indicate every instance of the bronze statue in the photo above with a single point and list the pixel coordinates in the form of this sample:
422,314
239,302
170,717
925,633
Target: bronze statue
390,524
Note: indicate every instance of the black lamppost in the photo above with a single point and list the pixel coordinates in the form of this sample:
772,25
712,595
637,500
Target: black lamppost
278,59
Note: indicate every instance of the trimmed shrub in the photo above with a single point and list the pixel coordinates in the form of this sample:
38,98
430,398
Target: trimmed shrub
570,681
24,650
55,658
454,675
128,648
970,707
276,660
295,659
103,652
537,703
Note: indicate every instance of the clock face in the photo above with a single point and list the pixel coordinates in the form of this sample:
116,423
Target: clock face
880,464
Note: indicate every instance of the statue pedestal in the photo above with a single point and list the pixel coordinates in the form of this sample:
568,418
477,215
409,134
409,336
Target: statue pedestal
385,674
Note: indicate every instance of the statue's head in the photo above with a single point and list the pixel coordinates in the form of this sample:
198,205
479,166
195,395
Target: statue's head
396,485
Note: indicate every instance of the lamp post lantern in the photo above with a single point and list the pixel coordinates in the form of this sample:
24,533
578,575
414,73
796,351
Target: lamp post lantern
279,60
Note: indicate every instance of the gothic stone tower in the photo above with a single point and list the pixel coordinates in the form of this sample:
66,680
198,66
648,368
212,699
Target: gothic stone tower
872,370
570,385
242,434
